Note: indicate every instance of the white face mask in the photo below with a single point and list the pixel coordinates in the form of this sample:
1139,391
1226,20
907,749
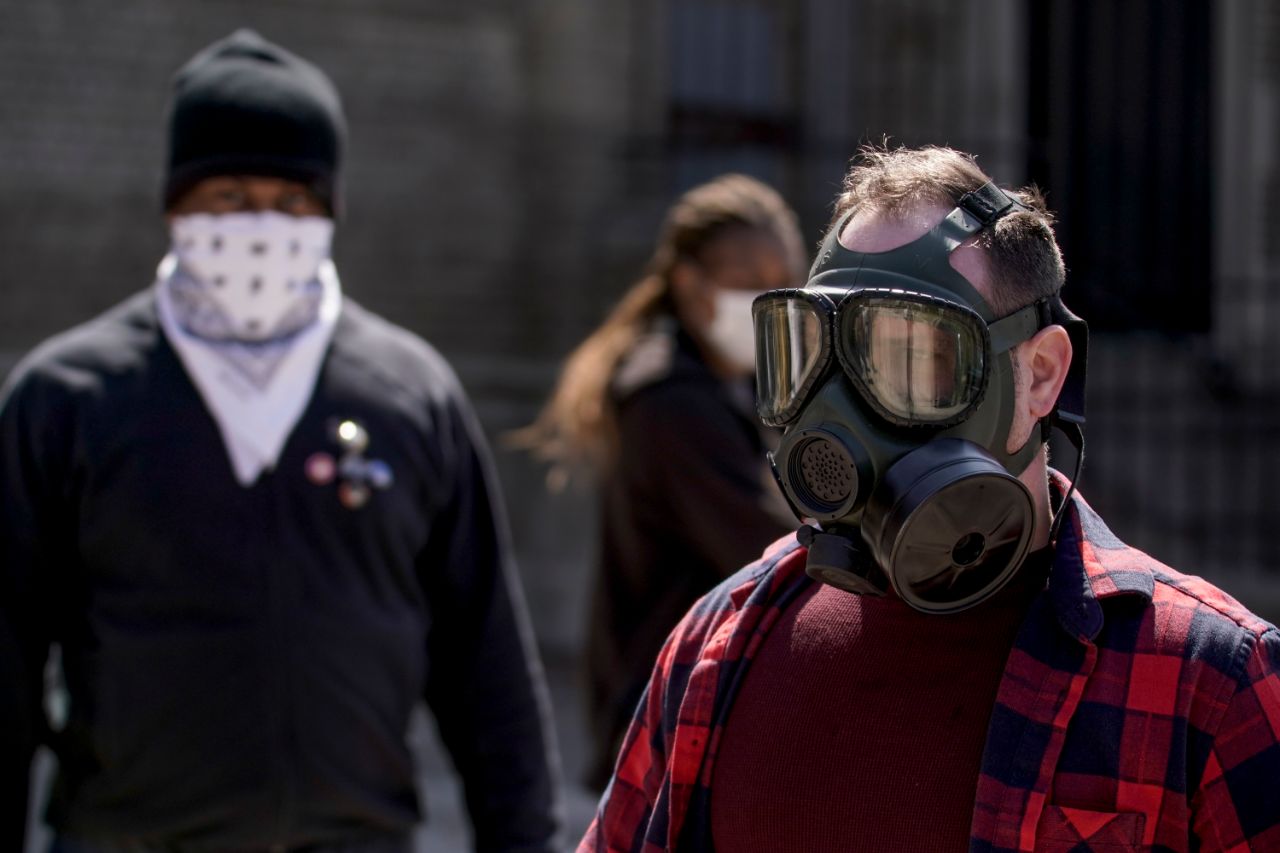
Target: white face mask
732,332
255,272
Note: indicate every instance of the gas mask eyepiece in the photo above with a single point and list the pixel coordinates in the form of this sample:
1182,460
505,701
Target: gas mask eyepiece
917,359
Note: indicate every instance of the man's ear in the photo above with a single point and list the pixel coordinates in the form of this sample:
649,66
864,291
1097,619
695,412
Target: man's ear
1045,357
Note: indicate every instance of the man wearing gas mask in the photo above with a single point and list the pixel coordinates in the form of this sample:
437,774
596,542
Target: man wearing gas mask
954,652
260,524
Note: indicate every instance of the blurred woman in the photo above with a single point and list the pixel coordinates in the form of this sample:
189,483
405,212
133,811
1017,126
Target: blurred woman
658,402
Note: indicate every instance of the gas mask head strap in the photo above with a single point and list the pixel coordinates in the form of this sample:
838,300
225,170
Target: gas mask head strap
1068,411
1067,415
973,213
988,204
976,211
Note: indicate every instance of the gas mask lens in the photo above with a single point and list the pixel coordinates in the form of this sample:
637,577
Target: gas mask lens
919,361
792,349
916,359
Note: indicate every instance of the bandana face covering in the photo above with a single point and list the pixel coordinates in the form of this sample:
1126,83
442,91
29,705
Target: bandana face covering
248,277
249,302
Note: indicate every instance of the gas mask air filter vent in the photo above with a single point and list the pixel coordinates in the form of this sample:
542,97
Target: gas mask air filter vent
827,471
824,474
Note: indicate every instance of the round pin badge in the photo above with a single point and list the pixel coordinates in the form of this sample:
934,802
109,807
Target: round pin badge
379,474
320,468
353,495
351,436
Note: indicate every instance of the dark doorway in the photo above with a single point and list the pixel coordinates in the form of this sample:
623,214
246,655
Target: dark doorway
1119,124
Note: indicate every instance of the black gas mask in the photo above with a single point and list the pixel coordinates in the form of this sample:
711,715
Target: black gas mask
895,383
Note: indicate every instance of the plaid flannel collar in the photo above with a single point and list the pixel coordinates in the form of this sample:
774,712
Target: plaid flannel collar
1091,564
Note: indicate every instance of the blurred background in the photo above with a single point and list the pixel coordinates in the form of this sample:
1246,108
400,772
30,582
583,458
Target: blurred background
509,161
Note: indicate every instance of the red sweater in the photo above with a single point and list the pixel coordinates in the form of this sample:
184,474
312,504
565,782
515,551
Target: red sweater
861,724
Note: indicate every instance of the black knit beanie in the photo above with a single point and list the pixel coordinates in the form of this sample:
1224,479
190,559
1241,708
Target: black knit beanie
244,106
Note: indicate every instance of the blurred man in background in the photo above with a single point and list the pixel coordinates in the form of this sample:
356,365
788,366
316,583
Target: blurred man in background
955,653
260,524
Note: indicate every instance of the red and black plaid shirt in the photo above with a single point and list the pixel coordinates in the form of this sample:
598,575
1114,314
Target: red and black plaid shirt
1139,709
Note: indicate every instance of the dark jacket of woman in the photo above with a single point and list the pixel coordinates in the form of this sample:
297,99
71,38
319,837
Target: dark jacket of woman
687,501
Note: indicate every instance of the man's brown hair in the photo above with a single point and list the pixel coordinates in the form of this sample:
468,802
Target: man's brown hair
1024,259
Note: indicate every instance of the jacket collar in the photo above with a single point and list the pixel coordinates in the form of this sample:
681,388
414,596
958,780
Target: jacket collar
1091,564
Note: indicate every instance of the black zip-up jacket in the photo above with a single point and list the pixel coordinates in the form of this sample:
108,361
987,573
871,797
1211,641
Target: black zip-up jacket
242,662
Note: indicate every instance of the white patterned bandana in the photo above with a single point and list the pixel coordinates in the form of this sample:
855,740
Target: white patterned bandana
249,302
249,277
